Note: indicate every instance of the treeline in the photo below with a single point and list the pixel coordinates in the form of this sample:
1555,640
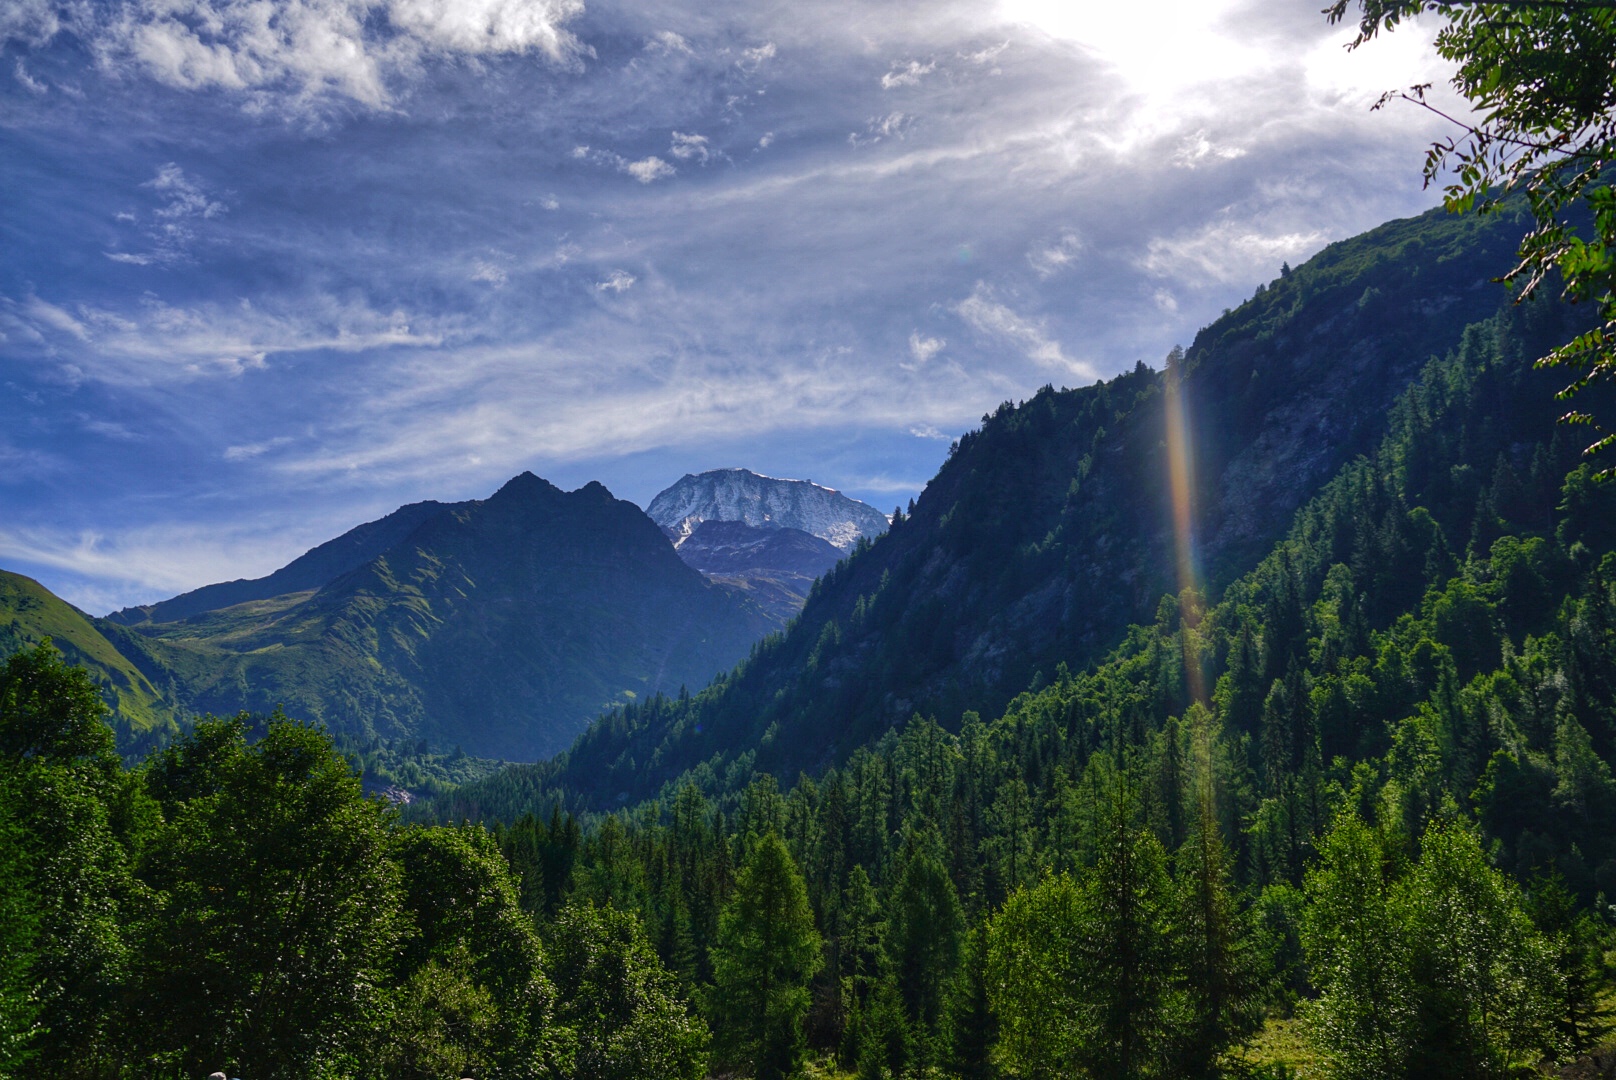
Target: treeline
1370,787
240,905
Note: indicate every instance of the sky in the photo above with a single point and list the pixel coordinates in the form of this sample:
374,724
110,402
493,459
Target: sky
273,268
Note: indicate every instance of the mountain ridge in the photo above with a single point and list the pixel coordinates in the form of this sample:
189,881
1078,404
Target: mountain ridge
311,570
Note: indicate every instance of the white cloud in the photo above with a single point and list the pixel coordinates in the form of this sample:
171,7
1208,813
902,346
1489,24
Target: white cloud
686,147
29,83
907,75
645,170
928,431
754,58
649,169
185,196
617,281
923,349
1197,149
166,342
184,201
985,56
894,125
988,316
1050,259
766,140
247,451
56,318
489,272
1228,251
33,22
296,53
666,41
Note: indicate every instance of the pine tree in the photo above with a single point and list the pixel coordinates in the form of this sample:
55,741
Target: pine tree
766,953
924,944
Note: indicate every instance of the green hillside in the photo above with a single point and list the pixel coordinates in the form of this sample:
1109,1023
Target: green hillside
127,673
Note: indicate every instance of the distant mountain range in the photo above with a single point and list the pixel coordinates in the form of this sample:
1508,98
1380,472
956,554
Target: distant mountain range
501,626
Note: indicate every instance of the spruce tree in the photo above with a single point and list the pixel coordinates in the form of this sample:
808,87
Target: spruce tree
766,953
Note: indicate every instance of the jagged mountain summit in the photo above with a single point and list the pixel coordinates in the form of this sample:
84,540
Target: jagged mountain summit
765,502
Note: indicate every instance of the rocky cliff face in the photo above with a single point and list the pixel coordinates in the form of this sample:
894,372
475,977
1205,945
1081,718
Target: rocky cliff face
734,547
765,502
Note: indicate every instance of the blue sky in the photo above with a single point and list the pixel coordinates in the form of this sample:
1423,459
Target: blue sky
274,267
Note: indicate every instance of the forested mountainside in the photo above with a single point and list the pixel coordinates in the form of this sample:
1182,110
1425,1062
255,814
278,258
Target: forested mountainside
132,682
1390,813
1048,532
497,626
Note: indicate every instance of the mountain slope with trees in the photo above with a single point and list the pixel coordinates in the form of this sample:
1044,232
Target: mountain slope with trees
134,683
1048,532
1389,815
315,568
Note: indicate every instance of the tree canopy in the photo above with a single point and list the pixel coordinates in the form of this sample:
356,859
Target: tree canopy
1538,76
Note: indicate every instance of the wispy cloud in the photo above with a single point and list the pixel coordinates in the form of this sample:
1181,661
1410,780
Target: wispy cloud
685,147
247,451
1051,258
755,57
907,74
617,281
987,315
166,342
171,229
645,170
1227,251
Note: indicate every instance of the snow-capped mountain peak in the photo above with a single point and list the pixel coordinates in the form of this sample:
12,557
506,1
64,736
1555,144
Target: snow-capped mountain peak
765,502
